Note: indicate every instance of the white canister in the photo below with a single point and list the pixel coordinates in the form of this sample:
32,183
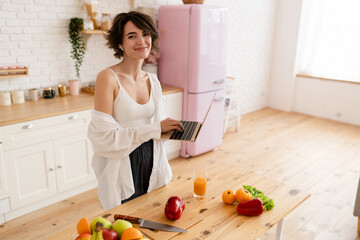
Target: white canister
18,96
5,98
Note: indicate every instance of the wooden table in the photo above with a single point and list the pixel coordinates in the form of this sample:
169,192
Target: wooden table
216,220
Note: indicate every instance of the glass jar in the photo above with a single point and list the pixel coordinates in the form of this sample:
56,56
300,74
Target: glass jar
91,6
106,21
88,24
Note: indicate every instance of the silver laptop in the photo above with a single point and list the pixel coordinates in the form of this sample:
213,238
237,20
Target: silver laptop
191,129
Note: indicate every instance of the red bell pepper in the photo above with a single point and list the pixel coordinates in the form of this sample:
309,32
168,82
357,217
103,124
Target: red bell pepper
253,207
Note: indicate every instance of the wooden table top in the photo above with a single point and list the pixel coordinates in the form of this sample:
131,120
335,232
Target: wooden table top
209,217
17,113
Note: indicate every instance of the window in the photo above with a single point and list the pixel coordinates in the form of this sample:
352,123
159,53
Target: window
329,42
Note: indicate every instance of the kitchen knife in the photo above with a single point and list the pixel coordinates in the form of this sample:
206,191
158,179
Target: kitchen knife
149,224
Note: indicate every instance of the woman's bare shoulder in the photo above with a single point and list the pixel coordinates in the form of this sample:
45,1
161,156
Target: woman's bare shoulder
104,91
105,78
105,75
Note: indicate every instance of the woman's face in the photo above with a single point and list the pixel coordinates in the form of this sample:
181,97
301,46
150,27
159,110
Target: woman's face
136,42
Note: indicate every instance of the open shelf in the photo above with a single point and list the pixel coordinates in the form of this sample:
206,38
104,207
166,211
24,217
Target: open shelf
13,73
88,33
93,32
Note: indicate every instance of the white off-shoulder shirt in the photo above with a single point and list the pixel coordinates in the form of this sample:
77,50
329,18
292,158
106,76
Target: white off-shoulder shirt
112,143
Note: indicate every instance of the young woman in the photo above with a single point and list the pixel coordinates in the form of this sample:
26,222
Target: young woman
128,119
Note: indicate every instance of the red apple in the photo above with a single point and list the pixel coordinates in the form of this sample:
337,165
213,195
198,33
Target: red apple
109,234
84,236
174,208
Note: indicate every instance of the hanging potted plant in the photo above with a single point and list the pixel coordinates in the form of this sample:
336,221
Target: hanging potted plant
77,52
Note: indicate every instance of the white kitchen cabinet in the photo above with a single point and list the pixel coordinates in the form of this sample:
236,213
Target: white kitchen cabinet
30,173
45,161
73,156
173,109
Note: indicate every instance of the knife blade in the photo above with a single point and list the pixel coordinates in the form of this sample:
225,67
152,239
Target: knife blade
149,224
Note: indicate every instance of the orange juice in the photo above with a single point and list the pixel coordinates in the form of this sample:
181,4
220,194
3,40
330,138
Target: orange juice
200,186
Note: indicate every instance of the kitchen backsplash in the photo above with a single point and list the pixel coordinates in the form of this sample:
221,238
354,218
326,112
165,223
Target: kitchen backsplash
34,33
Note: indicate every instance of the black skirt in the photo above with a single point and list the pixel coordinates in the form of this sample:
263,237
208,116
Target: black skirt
141,159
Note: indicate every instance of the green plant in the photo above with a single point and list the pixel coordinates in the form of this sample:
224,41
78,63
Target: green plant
77,43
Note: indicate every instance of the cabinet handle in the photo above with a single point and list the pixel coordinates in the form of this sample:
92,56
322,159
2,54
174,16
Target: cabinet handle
218,99
72,117
60,166
219,81
164,98
51,169
27,126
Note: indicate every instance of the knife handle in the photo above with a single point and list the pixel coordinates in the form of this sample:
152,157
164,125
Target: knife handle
127,218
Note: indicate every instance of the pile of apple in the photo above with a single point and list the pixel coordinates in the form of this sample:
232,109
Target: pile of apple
102,229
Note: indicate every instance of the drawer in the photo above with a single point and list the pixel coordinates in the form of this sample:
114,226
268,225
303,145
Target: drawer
172,96
30,132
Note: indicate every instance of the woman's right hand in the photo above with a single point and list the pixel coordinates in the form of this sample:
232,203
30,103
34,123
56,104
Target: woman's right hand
169,124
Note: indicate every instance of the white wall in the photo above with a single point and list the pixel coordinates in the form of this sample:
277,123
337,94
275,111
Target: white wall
339,101
251,39
34,33
283,72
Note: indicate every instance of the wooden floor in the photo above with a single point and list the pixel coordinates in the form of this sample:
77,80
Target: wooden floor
317,155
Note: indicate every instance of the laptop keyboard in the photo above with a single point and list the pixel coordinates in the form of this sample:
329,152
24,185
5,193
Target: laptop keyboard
189,128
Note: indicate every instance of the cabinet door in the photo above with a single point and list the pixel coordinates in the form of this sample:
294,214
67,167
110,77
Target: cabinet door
30,173
73,156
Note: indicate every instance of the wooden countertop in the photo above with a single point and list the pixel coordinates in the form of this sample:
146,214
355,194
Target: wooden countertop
16,113
166,89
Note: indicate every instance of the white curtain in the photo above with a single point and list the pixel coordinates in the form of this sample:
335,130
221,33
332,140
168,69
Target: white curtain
329,42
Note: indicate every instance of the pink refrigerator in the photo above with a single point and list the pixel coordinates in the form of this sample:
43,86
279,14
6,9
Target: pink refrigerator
193,40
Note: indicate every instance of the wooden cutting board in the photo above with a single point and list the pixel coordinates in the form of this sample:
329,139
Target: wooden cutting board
188,219
90,90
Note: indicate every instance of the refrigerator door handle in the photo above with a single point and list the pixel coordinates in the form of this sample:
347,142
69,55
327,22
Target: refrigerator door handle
218,99
219,81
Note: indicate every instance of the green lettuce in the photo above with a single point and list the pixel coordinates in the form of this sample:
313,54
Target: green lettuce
268,203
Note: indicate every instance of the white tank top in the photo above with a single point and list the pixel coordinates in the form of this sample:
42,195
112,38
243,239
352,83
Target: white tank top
129,113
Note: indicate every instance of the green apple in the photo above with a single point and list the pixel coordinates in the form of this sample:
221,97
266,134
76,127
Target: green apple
107,223
120,225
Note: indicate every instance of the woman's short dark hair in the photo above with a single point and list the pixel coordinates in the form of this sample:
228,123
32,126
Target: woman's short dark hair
115,35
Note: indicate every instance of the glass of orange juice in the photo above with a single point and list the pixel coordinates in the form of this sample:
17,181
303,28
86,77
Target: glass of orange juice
200,180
